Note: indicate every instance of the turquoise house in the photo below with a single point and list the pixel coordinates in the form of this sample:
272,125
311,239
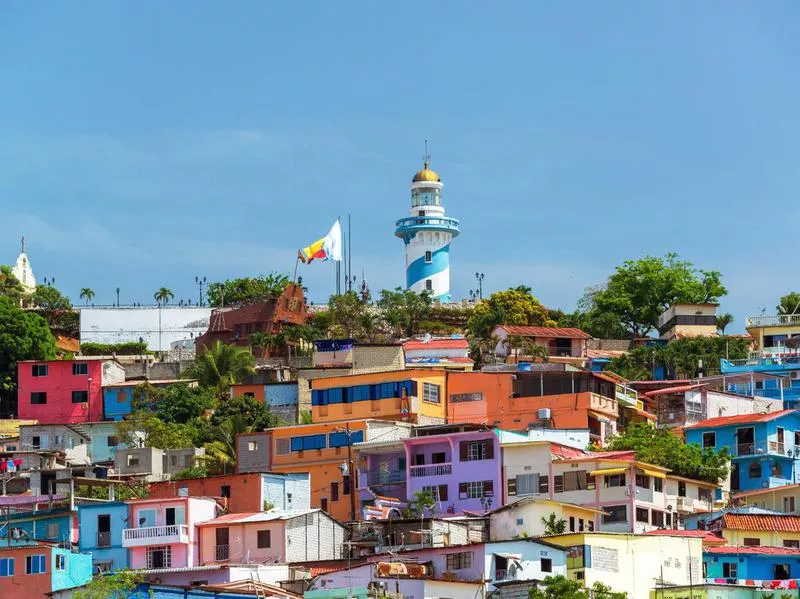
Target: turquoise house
56,525
100,534
69,569
729,563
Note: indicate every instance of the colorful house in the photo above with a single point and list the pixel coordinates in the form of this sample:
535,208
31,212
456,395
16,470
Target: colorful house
526,516
33,570
451,353
100,527
458,465
275,536
763,446
65,391
558,341
734,564
753,530
323,451
281,397
161,532
245,492
57,524
83,443
413,395
785,498
118,397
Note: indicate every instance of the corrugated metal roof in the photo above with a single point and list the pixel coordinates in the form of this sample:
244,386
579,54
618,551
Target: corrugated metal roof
670,390
740,419
551,332
708,537
258,517
784,523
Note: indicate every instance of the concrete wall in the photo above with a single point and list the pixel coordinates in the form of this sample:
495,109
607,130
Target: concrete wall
314,536
253,452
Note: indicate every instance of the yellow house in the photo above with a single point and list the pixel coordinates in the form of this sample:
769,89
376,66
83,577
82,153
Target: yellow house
753,530
631,563
770,332
525,518
779,499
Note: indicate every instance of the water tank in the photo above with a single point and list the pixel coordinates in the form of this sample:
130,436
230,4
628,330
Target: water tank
543,413
524,366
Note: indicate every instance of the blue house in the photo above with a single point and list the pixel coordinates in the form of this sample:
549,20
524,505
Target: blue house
763,447
752,563
780,377
100,533
118,397
53,524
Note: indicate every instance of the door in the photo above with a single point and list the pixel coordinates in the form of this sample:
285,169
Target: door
174,515
780,440
735,477
419,459
103,530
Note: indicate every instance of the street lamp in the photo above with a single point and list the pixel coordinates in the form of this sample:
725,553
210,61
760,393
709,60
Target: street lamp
479,277
200,281
118,297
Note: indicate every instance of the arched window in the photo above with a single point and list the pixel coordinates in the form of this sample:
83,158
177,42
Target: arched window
755,470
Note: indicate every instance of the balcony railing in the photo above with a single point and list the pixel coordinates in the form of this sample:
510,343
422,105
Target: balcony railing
103,539
151,535
500,575
772,321
431,470
750,449
440,222
383,477
221,552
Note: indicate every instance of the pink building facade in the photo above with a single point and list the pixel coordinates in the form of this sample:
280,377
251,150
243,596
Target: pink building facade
65,391
162,532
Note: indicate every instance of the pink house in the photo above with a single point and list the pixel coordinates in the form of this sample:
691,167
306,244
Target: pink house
65,391
282,536
161,533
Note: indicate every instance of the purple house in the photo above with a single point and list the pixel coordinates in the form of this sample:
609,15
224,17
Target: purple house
459,465
382,477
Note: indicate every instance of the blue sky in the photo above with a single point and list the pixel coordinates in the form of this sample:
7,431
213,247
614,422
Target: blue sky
143,143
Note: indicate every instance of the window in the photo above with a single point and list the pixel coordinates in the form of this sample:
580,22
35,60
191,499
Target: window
754,471
681,488
225,491
471,451
309,442
61,562
788,504
334,491
264,539
133,461
323,504
782,572
642,515
159,556
80,396
794,543
658,485
615,513
476,489
253,445
520,521
729,570
558,484
751,542
7,566
430,393
346,484
572,523
546,564
80,368
590,525
52,531
527,484
710,439
38,397
577,557
281,447
438,457
35,564
428,285
39,370
459,561
36,442
462,397
615,480
438,492
643,481
183,490
577,480
112,441
704,494
657,518
428,257
543,484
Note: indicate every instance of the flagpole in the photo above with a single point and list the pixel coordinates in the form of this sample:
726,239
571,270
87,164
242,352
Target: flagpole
296,262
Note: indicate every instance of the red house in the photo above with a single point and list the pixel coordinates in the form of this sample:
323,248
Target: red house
65,391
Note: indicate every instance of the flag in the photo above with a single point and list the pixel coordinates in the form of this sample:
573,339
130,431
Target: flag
327,248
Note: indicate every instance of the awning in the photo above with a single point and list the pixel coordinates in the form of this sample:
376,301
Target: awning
512,556
655,473
608,471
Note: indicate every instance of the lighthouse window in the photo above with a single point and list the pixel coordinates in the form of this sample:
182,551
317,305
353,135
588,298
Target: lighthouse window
428,257
428,285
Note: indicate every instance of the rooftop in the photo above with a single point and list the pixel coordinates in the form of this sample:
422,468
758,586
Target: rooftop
740,419
782,523
757,550
416,344
244,518
707,536
551,332
770,490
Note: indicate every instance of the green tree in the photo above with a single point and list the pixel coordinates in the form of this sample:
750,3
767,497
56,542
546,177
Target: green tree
403,310
553,525
421,504
789,303
346,311
561,587
515,306
162,296
121,584
87,295
221,366
177,403
53,306
24,335
246,290
144,429
640,290
221,450
254,414
127,348
601,325
723,322
662,448
10,286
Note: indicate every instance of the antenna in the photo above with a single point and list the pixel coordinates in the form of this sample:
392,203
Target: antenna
426,158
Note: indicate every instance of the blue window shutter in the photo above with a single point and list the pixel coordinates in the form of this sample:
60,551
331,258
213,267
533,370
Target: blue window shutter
357,437
3,567
587,556
11,567
43,563
297,443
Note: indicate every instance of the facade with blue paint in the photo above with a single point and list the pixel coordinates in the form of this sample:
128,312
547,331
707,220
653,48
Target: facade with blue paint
69,569
784,385
427,233
763,447
55,525
751,563
100,534
118,397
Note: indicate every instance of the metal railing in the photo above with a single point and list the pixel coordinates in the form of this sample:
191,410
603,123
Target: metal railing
155,532
427,221
778,320
103,539
749,449
221,552
504,575
431,470
383,477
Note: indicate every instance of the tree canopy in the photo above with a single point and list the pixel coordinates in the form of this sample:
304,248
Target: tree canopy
10,286
176,403
246,290
55,308
662,448
221,366
515,306
561,587
145,429
403,310
638,291
254,414
789,303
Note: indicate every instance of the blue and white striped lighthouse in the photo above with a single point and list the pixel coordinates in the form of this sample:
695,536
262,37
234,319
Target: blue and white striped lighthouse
427,233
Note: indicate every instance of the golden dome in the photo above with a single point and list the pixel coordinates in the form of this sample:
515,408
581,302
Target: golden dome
426,174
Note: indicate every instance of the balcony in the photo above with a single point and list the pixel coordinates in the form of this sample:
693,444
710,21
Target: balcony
155,535
221,553
501,575
781,320
684,504
103,539
413,224
751,449
431,470
376,478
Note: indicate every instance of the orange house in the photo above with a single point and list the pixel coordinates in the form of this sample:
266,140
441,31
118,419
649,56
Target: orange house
322,450
520,400
413,395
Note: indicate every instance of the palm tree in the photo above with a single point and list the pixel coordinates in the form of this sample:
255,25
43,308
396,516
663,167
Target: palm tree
723,320
221,450
221,366
258,340
87,295
553,525
163,295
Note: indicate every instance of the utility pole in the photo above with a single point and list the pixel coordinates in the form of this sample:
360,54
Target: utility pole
350,471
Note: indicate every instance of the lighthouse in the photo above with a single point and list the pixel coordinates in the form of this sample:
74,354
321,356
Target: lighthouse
427,233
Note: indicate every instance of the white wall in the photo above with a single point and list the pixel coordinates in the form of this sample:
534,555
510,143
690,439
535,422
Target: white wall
119,325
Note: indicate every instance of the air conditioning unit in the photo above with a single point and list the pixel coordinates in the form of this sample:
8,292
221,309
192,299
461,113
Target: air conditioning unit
543,413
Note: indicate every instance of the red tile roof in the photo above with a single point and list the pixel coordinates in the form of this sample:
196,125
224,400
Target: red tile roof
757,550
551,332
770,490
565,452
783,523
740,419
678,389
436,344
709,538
